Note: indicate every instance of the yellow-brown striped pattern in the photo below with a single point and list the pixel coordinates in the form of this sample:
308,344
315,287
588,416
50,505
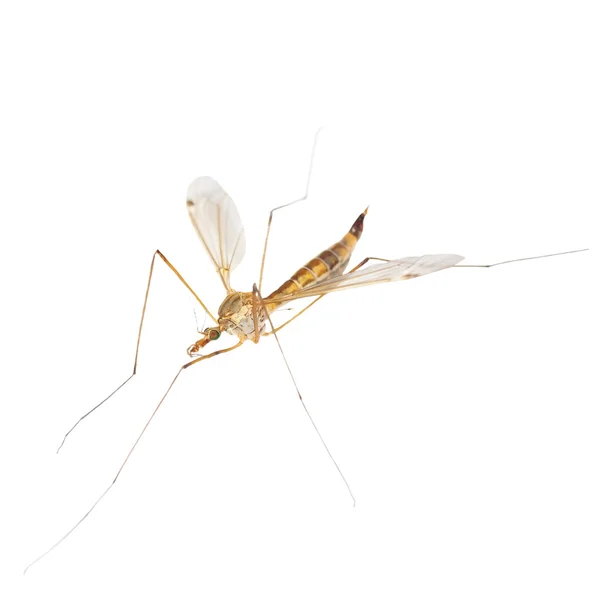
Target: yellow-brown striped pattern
329,263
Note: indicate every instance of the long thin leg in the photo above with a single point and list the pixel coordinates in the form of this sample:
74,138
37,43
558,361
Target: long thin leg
310,167
259,299
504,262
64,537
358,266
139,337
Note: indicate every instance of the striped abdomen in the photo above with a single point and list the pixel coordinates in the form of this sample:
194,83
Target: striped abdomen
329,263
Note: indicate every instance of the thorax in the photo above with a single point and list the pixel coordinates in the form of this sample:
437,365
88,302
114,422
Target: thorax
237,315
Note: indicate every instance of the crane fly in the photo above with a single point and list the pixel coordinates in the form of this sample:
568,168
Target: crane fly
246,316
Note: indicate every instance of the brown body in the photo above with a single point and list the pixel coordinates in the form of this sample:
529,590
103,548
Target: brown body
242,314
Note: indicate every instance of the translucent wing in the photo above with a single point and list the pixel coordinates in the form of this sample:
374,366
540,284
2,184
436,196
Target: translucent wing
393,270
218,224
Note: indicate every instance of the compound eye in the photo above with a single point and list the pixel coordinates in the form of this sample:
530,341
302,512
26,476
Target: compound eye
214,334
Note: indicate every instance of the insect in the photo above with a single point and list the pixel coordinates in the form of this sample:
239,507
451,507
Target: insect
246,316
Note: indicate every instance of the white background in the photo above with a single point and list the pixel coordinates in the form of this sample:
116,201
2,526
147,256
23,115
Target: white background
462,407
